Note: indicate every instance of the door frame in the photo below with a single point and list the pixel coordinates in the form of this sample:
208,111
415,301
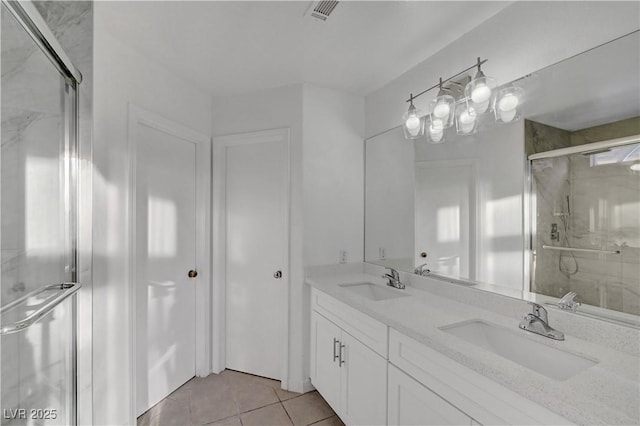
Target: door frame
139,116
220,144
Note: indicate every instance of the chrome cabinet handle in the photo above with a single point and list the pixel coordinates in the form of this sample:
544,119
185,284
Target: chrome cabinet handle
341,354
277,275
335,356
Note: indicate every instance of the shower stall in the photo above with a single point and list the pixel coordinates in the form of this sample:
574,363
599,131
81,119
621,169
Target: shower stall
38,216
585,211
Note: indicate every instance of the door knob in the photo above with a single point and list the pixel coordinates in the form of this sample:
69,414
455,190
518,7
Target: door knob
278,274
192,273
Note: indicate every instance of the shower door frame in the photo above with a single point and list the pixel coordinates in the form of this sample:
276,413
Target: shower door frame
530,222
30,20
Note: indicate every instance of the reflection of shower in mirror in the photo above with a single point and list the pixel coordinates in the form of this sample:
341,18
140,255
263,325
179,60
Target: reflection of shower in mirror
589,199
567,262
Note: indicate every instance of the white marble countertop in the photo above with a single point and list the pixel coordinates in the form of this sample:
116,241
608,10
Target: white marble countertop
606,393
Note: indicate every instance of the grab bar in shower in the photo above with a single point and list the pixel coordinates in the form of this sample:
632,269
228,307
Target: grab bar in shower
63,291
582,250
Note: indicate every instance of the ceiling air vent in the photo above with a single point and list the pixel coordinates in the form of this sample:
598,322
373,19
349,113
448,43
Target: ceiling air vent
322,9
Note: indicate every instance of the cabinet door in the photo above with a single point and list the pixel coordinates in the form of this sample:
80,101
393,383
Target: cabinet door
410,403
325,365
364,384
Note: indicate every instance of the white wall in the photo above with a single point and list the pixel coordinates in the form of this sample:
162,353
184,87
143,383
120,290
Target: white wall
390,192
123,76
271,109
521,39
333,185
326,185
333,175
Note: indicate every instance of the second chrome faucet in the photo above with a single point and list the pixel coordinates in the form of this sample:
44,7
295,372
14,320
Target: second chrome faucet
393,278
538,322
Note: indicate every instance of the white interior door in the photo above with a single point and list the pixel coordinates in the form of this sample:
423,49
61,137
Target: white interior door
165,241
445,217
256,251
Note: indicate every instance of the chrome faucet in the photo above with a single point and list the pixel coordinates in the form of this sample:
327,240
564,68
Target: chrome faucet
568,303
393,278
422,270
538,322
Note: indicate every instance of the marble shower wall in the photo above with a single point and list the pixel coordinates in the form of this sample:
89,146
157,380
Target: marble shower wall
604,206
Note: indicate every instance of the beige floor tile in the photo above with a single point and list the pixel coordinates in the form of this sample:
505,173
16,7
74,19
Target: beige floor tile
229,421
284,395
331,421
238,376
183,393
250,395
271,415
307,409
211,400
144,420
167,413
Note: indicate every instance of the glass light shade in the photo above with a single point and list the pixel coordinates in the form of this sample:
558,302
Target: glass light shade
436,130
506,104
478,92
466,119
442,108
413,123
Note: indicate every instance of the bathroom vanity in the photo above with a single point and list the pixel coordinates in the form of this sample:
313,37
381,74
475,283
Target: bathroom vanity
436,353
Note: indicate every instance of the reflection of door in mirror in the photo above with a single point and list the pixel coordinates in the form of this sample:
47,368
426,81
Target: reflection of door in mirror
445,216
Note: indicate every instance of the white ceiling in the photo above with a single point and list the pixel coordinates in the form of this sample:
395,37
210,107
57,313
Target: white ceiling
236,47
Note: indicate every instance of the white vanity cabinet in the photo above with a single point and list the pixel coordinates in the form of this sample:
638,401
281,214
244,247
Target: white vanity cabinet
350,376
372,374
326,341
473,395
411,403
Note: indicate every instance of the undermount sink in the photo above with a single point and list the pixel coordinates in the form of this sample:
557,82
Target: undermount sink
552,362
373,291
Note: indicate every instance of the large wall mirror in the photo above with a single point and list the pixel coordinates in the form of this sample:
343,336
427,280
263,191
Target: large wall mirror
505,211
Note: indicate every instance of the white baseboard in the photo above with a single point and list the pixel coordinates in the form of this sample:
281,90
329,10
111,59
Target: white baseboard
300,386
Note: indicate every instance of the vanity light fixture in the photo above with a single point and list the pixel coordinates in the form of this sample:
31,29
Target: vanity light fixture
478,91
479,96
436,131
506,102
466,117
442,108
413,122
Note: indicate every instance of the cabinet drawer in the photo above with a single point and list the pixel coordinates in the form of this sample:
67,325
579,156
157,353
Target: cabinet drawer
371,332
479,397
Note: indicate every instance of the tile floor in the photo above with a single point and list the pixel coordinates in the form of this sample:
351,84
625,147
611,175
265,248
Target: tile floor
232,398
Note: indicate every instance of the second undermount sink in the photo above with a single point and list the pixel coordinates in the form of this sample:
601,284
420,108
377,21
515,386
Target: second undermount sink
552,362
373,291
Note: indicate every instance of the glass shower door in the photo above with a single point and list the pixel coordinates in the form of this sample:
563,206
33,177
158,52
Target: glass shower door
37,232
